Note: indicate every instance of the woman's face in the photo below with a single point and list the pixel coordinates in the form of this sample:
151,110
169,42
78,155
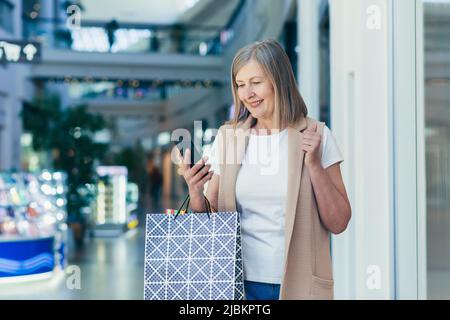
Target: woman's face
256,91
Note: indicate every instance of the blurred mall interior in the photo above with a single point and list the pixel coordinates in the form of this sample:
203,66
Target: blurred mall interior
91,90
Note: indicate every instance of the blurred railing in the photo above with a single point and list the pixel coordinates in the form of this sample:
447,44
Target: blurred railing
136,90
116,36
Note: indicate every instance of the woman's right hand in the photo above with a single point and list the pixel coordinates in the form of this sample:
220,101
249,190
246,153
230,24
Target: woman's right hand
195,176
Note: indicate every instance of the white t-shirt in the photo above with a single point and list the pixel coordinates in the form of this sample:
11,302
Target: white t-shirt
261,188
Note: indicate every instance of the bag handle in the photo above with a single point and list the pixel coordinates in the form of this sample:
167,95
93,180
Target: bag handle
186,202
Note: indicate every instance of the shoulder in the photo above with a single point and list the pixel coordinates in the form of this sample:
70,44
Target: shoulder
310,120
226,131
230,127
225,126
320,125
223,133
326,130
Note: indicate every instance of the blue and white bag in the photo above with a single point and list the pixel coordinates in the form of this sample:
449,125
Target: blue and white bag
193,256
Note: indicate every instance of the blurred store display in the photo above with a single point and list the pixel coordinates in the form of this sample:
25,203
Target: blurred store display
33,230
132,205
115,203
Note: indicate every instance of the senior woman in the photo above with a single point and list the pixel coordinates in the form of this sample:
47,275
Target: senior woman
281,170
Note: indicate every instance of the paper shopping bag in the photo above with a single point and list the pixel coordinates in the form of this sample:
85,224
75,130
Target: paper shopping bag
193,256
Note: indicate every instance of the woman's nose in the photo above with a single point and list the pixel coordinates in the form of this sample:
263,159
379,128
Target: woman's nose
249,94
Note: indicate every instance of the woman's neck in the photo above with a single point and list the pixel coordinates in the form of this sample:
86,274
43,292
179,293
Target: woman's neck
266,127
265,124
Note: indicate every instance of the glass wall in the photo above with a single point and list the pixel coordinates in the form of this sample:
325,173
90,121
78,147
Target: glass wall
437,140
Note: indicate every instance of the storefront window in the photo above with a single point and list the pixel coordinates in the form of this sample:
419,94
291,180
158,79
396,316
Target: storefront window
437,137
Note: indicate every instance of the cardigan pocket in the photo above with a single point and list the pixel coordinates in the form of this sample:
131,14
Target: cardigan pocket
321,288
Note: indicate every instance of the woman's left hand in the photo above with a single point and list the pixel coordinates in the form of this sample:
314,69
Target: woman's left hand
310,145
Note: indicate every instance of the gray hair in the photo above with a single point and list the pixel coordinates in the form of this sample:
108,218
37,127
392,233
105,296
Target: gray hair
269,54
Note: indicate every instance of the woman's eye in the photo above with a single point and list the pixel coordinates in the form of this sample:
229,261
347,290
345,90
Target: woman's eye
240,85
256,82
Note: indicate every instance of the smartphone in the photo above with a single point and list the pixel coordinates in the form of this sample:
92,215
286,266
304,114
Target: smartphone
182,146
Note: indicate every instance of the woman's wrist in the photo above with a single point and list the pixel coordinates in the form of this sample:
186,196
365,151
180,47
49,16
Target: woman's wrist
195,195
197,202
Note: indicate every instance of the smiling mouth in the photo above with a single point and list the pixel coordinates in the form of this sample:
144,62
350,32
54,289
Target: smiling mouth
256,103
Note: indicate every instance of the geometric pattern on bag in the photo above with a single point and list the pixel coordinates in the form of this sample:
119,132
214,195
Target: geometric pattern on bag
197,256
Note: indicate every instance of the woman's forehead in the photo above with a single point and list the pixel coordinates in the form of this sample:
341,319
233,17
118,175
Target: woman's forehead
252,69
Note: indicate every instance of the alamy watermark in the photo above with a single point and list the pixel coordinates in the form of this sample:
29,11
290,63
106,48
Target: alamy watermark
374,16
73,277
73,21
373,280
267,154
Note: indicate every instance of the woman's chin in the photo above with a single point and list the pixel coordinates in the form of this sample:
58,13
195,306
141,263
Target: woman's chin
256,113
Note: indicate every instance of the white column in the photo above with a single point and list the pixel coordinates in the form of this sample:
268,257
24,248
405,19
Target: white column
308,55
361,113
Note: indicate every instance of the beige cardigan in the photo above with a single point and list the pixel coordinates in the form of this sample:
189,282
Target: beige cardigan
307,263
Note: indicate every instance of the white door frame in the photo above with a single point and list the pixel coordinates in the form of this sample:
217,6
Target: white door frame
409,149
421,165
